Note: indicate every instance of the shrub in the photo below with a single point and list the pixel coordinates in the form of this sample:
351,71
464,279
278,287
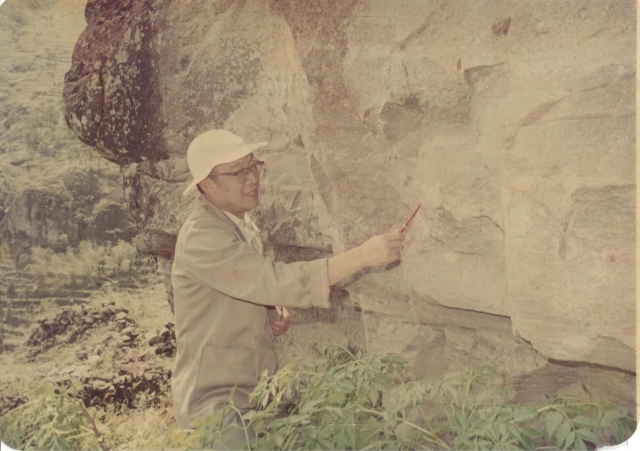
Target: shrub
337,403
346,400
54,419
87,265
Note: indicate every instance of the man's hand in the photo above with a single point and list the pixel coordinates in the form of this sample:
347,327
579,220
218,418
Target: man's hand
380,250
280,326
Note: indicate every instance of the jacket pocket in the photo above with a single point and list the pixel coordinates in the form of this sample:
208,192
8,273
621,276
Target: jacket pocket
220,370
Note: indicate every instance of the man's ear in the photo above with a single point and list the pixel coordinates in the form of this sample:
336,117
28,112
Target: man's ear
204,185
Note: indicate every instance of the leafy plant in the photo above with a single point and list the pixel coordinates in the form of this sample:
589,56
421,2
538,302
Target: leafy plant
54,419
336,402
345,399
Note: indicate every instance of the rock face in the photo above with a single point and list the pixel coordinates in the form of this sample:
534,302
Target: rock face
64,214
512,123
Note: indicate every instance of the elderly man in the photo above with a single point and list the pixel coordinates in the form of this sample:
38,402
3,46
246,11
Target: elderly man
224,285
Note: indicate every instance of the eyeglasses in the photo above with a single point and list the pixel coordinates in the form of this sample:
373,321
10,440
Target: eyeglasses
256,169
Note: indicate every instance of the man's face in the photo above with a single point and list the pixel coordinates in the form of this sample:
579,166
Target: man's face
228,193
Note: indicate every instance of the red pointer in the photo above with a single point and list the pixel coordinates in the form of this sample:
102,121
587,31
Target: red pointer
410,218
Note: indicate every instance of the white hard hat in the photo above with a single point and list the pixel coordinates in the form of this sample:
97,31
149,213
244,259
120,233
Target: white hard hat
213,148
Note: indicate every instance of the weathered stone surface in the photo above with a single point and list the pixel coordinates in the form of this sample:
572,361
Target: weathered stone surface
512,123
94,359
343,323
455,341
130,331
583,381
155,339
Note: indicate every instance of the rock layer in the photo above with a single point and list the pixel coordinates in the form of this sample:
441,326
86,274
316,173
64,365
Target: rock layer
512,123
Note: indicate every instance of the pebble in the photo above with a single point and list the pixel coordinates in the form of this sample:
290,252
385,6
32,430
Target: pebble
105,376
94,359
100,385
155,340
127,331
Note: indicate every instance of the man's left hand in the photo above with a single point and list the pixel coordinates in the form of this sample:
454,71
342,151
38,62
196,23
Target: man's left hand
280,326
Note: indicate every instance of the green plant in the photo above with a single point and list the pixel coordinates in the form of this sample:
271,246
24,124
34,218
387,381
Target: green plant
475,416
337,403
53,419
345,399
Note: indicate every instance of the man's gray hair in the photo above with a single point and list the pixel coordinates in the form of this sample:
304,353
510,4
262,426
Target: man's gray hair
211,176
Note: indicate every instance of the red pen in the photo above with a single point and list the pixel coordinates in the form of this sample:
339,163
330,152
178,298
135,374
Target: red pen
410,218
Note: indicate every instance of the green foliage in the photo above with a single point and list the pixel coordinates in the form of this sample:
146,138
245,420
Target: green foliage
346,400
337,403
52,420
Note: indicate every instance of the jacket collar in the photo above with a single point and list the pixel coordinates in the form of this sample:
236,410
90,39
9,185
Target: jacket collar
217,212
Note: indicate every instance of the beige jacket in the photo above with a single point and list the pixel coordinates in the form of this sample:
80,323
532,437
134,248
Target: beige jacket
222,288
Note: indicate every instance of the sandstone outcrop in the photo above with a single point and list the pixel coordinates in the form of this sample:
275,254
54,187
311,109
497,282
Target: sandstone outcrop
512,122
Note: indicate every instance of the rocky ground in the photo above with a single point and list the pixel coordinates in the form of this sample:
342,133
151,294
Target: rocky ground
116,347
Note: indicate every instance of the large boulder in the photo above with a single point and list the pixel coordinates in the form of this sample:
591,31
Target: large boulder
512,122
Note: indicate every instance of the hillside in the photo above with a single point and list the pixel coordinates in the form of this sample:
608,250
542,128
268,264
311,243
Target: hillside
54,191
62,209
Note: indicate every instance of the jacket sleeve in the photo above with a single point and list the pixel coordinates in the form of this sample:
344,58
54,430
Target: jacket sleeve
214,256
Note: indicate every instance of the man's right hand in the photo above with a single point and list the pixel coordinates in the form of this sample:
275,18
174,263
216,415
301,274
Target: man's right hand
380,250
